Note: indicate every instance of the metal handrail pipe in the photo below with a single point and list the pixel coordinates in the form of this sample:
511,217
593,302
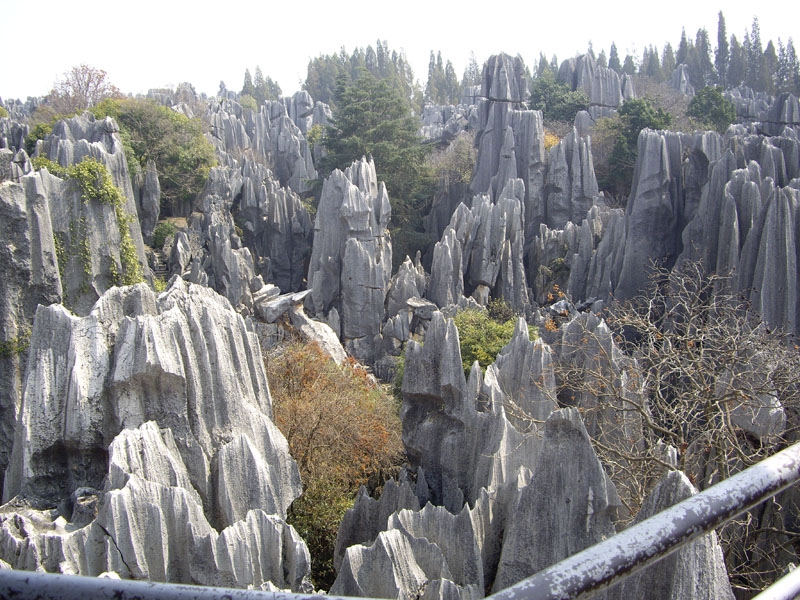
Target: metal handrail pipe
51,586
651,540
786,588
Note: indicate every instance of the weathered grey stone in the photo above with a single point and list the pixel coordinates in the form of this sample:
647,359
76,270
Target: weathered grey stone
395,566
680,81
352,256
192,445
462,441
783,113
148,200
316,331
569,505
695,571
368,517
601,84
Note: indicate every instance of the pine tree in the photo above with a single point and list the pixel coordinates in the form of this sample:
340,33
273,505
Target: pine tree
737,65
371,61
248,89
452,87
668,61
629,66
704,67
770,68
650,64
260,87
722,55
683,49
472,74
601,59
755,56
613,59
792,69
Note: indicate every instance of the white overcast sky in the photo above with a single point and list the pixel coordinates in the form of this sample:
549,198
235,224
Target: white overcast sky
156,43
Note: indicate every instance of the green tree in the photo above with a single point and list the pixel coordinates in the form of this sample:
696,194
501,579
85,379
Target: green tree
722,55
787,76
472,73
651,66
248,89
613,59
632,118
770,62
683,49
556,100
373,119
668,63
737,64
754,51
325,72
175,143
629,66
711,108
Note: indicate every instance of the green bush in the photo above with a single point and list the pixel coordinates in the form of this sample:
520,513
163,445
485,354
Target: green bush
3,113
39,131
41,162
556,100
163,230
481,337
712,109
174,142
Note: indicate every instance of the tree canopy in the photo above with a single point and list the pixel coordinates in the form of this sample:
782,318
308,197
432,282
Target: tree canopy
373,119
624,128
174,142
711,108
556,100
80,88
325,72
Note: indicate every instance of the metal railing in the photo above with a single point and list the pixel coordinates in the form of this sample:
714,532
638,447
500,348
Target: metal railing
586,572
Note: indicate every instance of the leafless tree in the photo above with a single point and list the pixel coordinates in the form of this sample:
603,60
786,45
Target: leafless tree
687,376
81,87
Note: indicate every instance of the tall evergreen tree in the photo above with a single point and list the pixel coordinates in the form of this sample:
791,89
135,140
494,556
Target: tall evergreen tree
601,59
472,73
543,66
704,68
452,87
755,56
792,83
629,66
613,59
668,61
371,61
722,55
737,65
248,89
259,86
770,68
683,49
650,64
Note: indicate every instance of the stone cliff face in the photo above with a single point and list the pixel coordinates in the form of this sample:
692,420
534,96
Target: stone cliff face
351,261
507,483
123,414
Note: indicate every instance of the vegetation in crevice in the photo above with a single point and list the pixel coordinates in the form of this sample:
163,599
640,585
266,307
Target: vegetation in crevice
343,430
